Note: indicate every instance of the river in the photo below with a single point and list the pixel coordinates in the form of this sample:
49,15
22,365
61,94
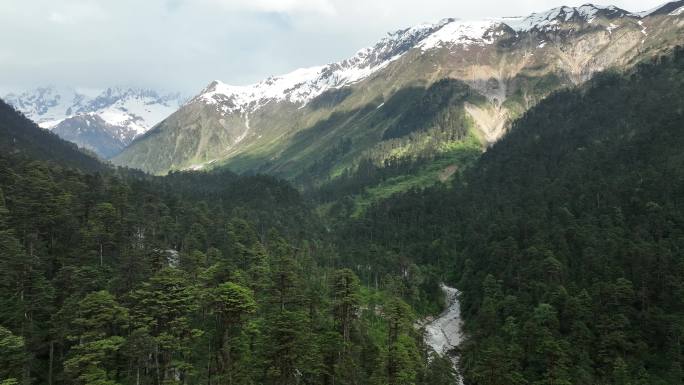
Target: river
444,332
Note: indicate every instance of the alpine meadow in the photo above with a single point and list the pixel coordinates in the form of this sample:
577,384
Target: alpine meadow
469,201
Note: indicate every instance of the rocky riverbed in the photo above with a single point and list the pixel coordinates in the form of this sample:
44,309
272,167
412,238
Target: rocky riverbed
444,332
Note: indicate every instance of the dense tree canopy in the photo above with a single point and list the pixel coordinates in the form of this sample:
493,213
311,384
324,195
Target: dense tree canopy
116,277
566,238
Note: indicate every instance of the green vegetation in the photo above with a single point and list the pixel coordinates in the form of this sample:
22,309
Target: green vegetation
115,278
22,138
565,238
416,161
457,157
531,90
414,124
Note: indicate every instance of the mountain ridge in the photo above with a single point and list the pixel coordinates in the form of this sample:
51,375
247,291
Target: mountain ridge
460,31
513,62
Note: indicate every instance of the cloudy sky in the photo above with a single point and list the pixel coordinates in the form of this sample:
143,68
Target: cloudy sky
181,45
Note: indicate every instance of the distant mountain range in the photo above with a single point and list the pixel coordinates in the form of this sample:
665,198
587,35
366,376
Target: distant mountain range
386,102
104,123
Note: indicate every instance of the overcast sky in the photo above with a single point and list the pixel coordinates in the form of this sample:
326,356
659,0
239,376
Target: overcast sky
181,45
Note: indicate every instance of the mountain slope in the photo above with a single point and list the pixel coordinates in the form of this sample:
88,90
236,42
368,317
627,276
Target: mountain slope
565,238
94,133
21,137
312,124
105,123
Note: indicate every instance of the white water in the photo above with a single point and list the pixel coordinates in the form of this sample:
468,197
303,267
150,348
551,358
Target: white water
444,332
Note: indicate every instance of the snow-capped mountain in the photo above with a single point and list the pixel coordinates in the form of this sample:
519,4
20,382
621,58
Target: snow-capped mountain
289,123
553,18
48,106
302,85
117,114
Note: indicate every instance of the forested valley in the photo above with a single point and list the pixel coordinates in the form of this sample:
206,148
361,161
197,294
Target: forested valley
565,239
115,277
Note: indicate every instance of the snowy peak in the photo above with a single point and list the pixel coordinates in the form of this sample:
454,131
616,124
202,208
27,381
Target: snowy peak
120,96
138,109
104,122
398,42
302,85
92,132
304,119
295,86
47,106
456,32
552,18
674,8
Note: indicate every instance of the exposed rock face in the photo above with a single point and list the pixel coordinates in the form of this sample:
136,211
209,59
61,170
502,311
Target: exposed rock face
491,121
289,125
90,131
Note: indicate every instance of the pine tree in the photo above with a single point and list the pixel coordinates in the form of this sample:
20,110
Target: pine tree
232,304
98,329
101,230
402,358
162,310
346,300
286,347
25,294
12,356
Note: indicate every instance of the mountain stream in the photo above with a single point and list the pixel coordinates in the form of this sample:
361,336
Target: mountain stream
444,332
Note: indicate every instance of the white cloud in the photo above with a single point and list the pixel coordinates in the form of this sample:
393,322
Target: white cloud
73,12
279,6
58,18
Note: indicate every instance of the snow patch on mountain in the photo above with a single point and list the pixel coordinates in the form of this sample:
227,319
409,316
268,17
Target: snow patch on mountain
461,32
650,11
292,86
137,110
677,12
611,27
